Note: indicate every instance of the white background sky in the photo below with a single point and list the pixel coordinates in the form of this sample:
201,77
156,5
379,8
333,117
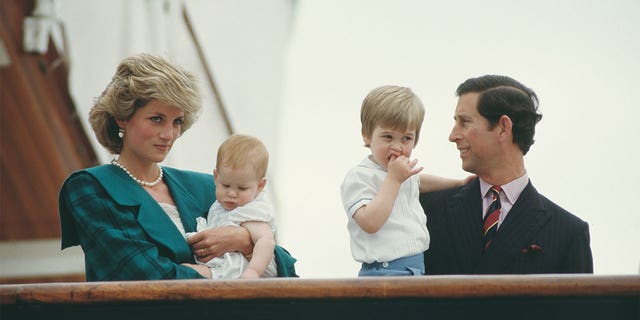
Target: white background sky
581,57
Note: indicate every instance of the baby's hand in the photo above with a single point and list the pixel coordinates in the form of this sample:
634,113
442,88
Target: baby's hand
401,168
249,274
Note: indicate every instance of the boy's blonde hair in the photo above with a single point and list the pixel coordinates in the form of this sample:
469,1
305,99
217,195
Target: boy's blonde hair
391,106
241,150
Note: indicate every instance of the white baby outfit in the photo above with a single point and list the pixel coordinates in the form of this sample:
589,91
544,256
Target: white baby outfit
232,264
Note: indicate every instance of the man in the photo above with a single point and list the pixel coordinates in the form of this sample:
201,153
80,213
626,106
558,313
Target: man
522,232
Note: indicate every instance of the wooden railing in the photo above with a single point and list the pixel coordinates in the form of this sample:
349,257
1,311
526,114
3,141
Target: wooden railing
433,297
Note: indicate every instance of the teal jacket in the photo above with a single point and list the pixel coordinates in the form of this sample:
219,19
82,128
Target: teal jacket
124,233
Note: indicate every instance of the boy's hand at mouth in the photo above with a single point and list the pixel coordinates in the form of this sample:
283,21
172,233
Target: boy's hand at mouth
400,168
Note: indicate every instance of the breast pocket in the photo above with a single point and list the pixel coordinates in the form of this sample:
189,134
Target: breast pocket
531,259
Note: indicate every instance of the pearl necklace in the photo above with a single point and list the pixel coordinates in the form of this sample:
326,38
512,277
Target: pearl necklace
140,182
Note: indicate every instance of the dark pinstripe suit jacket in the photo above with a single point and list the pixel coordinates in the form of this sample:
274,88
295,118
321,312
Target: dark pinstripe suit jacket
537,236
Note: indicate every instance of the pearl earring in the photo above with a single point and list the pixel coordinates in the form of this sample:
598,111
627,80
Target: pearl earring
121,133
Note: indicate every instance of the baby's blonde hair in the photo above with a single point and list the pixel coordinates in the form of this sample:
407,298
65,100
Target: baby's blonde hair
240,150
392,106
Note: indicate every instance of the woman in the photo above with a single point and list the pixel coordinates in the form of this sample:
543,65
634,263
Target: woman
130,216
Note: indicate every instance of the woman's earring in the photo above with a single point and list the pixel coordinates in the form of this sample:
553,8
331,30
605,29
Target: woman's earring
121,133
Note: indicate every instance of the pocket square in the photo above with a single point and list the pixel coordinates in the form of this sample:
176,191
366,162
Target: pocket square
532,248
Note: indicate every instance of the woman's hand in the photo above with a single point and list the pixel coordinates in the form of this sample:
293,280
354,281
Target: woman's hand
210,243
200,268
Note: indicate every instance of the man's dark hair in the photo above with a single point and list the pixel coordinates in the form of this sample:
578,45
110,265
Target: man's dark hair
502,95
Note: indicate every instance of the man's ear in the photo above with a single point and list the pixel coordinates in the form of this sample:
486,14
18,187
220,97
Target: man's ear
506,126
262,183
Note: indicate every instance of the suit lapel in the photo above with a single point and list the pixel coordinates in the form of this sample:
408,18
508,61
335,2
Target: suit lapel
516,231
151,216
464,213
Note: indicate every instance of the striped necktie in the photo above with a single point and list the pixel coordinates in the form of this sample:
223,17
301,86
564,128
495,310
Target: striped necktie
490,226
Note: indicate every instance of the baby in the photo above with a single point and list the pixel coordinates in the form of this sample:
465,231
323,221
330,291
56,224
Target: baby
240,177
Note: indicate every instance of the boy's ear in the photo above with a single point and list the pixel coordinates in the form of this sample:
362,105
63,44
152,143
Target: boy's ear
215,174
262,183
367,140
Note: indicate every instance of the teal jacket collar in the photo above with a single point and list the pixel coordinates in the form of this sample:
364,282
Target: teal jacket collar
126,192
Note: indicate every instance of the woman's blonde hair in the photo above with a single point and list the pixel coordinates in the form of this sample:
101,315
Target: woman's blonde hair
241,150
392,106
139,80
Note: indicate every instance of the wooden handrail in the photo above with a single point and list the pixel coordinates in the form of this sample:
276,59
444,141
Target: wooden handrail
386,287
